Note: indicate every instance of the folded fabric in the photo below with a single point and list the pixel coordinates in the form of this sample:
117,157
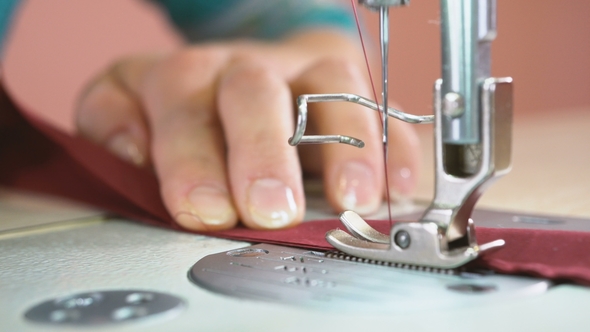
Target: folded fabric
36,156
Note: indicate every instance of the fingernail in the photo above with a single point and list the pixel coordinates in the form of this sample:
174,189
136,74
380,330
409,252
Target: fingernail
271,203
210,206
358,189
402,185
124,145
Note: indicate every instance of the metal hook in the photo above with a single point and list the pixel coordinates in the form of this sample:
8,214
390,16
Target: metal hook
299,136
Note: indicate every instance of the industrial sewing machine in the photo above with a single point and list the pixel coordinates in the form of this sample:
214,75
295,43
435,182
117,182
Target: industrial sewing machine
112,274
473,116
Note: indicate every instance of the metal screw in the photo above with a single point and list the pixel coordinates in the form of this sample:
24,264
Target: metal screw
139,298
453,104
402,239
68,315
126,313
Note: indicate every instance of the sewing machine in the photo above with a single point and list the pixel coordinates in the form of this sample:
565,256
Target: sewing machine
473,120
81,268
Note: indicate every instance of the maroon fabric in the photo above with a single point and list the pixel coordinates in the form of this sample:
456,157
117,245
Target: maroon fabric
36,156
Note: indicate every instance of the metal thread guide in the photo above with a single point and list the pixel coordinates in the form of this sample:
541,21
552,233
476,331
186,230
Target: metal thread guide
473,125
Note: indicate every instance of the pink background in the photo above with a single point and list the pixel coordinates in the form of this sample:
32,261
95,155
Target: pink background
57,46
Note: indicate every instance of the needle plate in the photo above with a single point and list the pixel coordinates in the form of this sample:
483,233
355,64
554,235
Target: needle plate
332,281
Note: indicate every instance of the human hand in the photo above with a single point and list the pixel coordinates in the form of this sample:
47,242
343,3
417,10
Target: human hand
213,121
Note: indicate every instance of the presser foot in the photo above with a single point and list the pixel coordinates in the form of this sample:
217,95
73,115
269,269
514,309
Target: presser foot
420,243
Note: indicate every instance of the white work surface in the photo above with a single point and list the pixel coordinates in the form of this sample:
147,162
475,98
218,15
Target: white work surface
53,256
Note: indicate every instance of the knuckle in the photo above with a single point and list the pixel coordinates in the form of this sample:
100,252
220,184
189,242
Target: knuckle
181,85
337,68
203,61
182,73
118,67
252,77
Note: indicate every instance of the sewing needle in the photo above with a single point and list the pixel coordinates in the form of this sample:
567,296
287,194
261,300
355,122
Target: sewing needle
384,37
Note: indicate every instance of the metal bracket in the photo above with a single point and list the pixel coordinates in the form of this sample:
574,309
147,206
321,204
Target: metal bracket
444,237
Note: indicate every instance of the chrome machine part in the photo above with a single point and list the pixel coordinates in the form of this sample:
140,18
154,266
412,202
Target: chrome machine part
473,123
467,30
384,37
340,282
444,236
413,243
105,307
455,196
299,136
360,229
474,118
459,46
378,4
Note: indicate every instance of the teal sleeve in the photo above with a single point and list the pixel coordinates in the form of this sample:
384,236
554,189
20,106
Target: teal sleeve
263,19
7,8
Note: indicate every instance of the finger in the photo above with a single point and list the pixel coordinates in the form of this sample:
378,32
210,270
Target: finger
109,112
187,141
353,177
403,160
255,107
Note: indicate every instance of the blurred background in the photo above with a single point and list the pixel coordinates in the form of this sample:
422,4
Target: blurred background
57,46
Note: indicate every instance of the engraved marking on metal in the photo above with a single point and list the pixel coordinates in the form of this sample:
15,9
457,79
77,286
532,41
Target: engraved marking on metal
248,252
79,301
537,220
472,288
307,282
311,260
